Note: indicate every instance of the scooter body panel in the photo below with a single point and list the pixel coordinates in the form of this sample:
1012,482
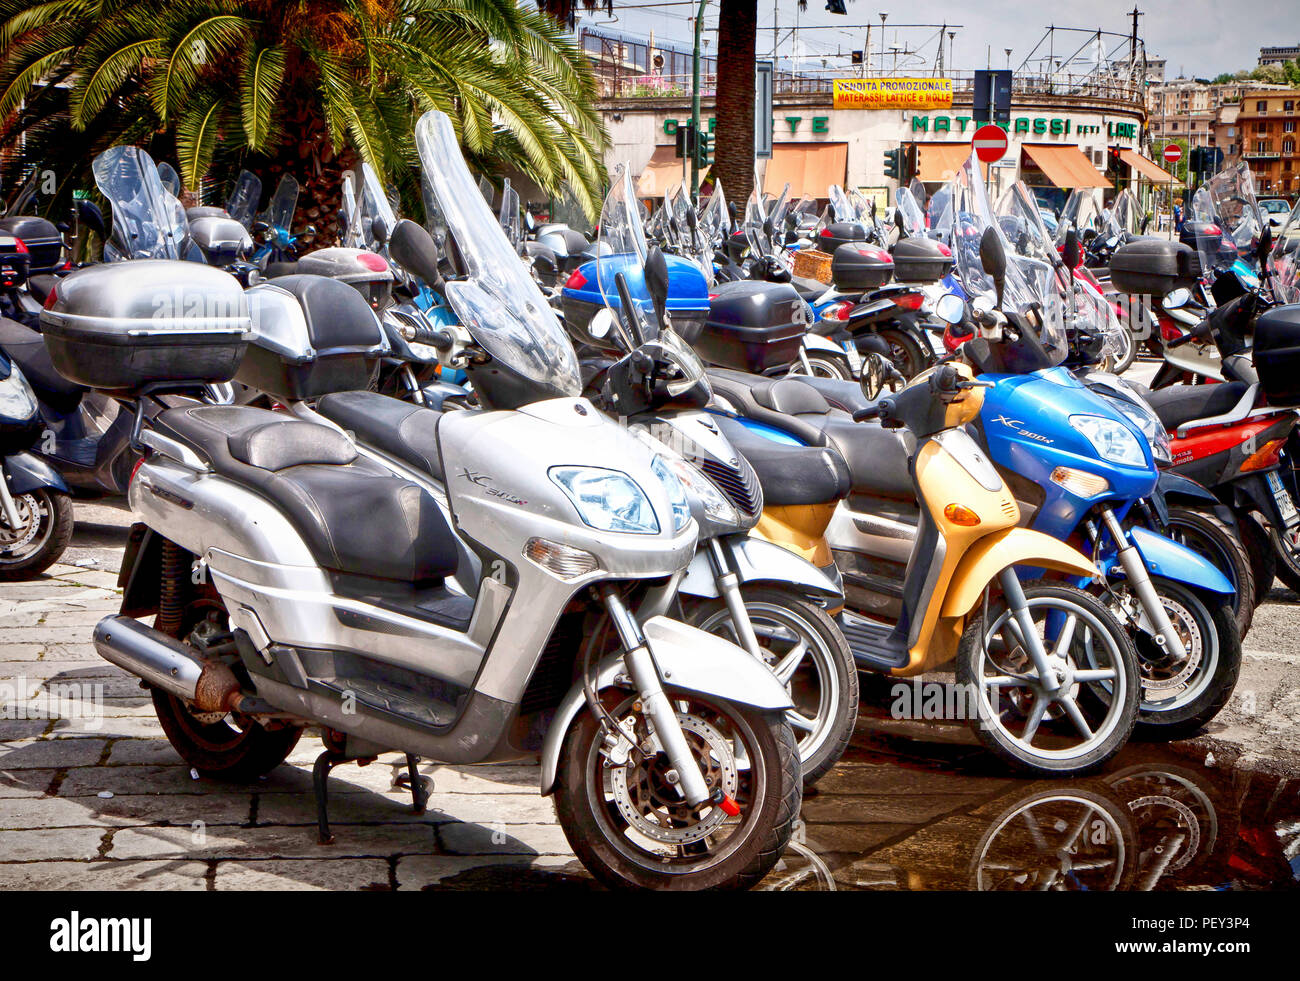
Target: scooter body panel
27,472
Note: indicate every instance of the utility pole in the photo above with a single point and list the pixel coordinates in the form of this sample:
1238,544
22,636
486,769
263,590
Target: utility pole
695,101
883,15
1133,39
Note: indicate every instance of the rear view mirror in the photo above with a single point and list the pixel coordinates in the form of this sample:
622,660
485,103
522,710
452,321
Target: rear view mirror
1265,245
1071,251
951,309
875,372
379,231
1177,299
89,215
656,282
993,258
412,248
601,324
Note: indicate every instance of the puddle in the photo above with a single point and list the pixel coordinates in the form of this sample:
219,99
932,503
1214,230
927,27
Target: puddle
900,814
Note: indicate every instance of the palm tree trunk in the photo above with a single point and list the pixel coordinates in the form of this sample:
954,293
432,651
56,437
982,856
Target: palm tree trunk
734,155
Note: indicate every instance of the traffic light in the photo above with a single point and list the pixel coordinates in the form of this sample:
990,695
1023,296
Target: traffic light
704,149
685,141
894,164
911,163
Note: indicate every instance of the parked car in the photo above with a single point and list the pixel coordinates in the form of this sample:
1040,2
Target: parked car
1275,210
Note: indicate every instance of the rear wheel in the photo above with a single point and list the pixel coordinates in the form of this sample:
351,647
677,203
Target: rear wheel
1209,537
1287,546
623,817
822,365
1086,717
42,535
905,352
222,746
1263,555
808,654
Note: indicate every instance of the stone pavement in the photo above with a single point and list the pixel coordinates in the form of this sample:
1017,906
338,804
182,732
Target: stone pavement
93,797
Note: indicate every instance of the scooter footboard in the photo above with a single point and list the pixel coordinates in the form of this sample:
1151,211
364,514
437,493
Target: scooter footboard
1015,546
688,659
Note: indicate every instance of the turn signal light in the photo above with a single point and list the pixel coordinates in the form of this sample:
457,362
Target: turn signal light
910,301
961,515
1264,458
1080,483
576,281
561,561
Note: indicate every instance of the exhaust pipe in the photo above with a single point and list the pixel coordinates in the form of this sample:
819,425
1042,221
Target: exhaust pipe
166,663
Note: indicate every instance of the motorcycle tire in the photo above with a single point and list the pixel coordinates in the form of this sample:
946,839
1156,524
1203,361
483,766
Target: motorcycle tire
1205,534
597,808
826,679
906,352
27,552
1263,555
823,366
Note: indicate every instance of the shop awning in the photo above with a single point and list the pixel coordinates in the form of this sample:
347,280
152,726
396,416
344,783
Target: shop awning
1145,166
939,162
663,173
1066,166
809,168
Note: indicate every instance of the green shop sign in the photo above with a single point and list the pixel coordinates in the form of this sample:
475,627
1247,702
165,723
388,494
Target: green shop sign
1035,126
820,124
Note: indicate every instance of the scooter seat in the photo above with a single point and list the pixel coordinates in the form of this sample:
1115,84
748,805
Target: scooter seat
402,430
877,458
1180,404
343,505
40,287
27,350
789,475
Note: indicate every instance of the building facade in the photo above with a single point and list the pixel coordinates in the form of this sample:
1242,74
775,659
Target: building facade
1268,123
1278,55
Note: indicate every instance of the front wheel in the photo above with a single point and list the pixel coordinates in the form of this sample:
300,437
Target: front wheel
43,533
807,652
625,820
1062,726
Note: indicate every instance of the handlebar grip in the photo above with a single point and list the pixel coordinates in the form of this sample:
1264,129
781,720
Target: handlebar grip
862,415
440,339
1179,342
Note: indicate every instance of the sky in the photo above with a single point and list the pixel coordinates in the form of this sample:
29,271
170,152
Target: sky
1199,37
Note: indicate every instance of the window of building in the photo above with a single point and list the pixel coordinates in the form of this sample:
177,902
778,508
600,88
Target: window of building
1261,105
1288,105
1261,127
1288,147
1288,126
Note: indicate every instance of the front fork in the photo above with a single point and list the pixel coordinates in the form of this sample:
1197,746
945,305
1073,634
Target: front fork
8,506
659,711
1135,570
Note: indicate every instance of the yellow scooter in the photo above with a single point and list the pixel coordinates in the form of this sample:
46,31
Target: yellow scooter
1045,674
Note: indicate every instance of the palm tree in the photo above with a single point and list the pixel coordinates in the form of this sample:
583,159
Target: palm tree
306,85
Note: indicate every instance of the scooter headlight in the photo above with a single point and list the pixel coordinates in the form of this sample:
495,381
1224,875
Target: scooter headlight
608,500
1112,440
16,399
715,504
676,492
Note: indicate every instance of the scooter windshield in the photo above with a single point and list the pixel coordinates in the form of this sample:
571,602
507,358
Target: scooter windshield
1022,292
620,270
171,181
1212,243
148,223
693,239
1082,212
940,214
714,218
243,200
1285,261
909,210
1233,193
842,209
498,302
279,213
375,219
508,215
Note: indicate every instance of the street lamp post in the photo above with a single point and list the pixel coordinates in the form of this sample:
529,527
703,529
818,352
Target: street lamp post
695,100
883,15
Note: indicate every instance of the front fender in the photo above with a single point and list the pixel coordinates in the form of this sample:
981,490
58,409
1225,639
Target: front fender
688,659
27,473
816,342
1015,546
756,561
1174,487
1171,560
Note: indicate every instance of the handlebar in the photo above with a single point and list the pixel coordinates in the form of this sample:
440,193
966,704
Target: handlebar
443,340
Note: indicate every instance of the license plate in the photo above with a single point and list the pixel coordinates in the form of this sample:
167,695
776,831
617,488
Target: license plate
855,356
1285,506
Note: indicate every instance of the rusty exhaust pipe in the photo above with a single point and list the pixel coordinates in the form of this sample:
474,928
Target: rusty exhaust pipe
166,663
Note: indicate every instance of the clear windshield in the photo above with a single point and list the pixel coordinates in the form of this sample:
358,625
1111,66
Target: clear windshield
243,200
1235,205
1286,261
909,209
940,213
171,181
499,303
1023,291
148,223
714,217
1083,212
279,213
842,208
486,189
508,215
375,217
348,210
620,271
1211,240
1126,215
27,200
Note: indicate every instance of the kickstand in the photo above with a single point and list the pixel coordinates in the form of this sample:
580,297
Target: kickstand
320,774
420,786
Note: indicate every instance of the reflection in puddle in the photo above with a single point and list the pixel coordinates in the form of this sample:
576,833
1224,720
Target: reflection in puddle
1152,820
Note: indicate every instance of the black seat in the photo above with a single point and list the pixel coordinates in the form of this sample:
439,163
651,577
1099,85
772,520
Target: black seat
1181,404
27,350
41,286
790,475
341,504
407,432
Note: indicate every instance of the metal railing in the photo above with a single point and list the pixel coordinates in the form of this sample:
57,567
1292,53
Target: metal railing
619,81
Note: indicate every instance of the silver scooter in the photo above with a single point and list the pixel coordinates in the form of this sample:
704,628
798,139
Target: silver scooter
295,582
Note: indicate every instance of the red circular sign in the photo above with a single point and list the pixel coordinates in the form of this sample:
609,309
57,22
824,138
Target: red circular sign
1173,153
990,143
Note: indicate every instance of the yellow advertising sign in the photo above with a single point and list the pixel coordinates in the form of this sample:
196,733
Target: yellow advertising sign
893,93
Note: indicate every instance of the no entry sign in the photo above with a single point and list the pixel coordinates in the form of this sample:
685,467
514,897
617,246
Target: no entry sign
1173,153
990,143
